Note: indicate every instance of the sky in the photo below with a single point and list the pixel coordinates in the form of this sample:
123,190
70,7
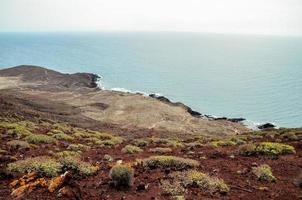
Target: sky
280,17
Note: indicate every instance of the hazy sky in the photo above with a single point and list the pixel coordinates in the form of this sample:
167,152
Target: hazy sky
235,16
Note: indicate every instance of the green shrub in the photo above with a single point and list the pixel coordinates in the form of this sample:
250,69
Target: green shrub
18,144
15,129
206,183
264,173
64,154
55,131
223,143
130,149
62,136
179,198
65,128
161,150
39,138
267,148
121,175
87,169
169,162
80,134
78,147
172,188
247,149
140,142
167,142
75,163
290,136
42,165
270,148
110,142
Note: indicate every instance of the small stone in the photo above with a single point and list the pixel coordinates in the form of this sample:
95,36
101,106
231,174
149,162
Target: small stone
203,157
254,164
108,158
263,188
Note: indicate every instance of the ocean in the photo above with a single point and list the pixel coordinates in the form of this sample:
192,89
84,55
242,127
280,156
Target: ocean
255,77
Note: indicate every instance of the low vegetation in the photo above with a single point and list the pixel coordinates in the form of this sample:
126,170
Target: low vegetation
63,154
206,183
121,175
264,173
172,188
141,142
130,149
62,136
39,138
43,165
75,163
267,148
78,147
17,130
223,143
161,150
167,142
18,144
172,162
167,174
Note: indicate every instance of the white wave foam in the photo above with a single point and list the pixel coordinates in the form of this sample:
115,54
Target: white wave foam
254,125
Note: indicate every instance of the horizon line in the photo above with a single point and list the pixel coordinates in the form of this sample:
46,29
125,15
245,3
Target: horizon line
151,31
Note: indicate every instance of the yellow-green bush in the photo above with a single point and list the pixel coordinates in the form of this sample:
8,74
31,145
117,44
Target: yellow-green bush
206,183
63,154
55,131
179,198
264,173
121,175
140,142
270,148
15,129
110,142
42,165
130,149
39,138
267,148
223,143
167,142
62,136
75,163
172,162
65,128
290,136
78,147
172,188
161,150
18,144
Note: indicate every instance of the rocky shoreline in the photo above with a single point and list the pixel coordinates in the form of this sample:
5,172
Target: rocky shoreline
77,98
62,137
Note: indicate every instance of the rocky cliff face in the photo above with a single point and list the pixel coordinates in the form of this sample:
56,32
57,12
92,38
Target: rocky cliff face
75,98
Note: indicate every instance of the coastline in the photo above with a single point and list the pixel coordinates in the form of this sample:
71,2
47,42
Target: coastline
248,123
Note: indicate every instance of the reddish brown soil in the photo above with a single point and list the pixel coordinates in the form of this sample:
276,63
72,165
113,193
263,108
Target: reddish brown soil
218,162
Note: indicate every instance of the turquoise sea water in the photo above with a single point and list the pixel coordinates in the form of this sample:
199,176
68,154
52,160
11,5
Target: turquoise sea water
255,77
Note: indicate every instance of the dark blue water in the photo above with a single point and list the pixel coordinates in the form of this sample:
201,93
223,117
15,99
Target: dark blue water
256,77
